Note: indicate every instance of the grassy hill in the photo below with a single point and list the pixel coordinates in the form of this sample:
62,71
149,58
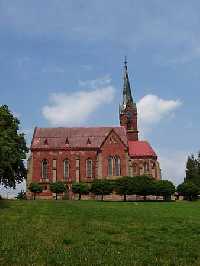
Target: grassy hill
99,233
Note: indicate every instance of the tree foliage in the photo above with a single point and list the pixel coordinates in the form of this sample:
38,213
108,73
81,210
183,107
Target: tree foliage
12,149
80,189
35,188
21,195
58,187
102,187
193,169
189,190
144,185
124,186
164,188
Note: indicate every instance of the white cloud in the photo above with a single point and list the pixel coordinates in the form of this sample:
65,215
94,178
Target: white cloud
173,164
75,108
152,109
11,193
96,83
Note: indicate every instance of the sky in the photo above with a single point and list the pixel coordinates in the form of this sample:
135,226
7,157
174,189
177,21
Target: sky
61,64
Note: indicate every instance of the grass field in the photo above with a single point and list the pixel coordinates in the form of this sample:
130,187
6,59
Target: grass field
99,233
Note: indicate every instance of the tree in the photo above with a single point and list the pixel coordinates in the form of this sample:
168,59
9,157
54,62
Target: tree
124,186
189,190
58,187
102,187
144,185
164,188
35,188
193,169
12,149
21,195
198,164
80,189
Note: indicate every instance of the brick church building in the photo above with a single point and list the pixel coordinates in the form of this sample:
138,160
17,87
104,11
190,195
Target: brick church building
82,154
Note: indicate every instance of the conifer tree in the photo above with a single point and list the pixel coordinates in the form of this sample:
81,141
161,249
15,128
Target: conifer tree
193,169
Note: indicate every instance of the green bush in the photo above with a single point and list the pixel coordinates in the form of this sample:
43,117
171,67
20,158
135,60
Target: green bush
102,187
80,189
189,190
21,195
58,187
35,188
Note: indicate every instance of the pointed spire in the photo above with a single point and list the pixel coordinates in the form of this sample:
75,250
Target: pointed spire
127,97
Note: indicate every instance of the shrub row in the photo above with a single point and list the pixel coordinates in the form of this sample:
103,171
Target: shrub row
137,185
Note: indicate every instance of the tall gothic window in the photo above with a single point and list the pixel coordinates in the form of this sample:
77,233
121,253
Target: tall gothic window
114,168
44,169
110,166
117,166
146,167
66,169
134,168
89,171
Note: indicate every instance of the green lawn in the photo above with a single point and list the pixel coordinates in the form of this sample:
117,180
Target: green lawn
99,233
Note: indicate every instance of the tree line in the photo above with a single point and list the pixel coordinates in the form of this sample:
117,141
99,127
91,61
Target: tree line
138,185
190,188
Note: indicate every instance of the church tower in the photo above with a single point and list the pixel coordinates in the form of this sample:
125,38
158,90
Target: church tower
128,109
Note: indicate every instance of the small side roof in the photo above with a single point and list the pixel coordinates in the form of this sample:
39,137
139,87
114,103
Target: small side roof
141,149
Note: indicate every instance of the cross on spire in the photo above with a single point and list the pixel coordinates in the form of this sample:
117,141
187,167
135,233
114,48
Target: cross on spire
125,62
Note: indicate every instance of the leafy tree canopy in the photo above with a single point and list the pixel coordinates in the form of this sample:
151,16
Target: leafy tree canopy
143,185
80,188
164,188
102,187
12,149
21,195
193,169
189,190
124,186
35,188
58,187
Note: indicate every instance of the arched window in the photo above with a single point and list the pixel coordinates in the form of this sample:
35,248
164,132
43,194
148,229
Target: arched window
134,168
117,166
44,169
146,167
110,166
66,169
89,171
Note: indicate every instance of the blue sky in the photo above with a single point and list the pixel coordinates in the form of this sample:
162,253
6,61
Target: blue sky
59,56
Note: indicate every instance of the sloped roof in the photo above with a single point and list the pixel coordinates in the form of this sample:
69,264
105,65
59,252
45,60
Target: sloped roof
74,137
140,149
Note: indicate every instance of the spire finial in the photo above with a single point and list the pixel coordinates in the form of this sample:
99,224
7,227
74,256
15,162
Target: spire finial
125,62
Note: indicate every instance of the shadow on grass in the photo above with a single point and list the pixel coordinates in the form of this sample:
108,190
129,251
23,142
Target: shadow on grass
112,201
3,204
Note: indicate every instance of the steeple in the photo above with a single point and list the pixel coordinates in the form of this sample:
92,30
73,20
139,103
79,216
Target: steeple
128,108
127,97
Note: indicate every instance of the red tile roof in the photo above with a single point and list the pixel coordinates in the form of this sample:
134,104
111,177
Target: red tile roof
140,149
75,137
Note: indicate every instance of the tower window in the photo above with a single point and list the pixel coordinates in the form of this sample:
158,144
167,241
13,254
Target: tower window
44,169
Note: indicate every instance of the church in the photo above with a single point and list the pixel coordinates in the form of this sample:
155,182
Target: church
82,154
